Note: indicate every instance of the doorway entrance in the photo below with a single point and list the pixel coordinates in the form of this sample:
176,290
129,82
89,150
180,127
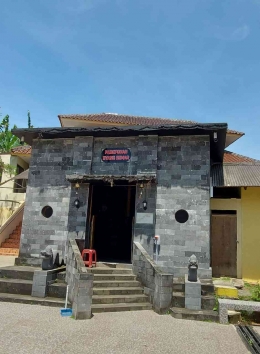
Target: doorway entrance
111,221
224,243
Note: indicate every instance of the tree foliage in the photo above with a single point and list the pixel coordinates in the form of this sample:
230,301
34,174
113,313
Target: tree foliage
7,139
29,120
7,142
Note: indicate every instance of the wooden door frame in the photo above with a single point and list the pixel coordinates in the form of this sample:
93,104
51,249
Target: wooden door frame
232,204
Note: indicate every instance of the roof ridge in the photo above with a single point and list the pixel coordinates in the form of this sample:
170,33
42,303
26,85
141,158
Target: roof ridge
128,119
118,115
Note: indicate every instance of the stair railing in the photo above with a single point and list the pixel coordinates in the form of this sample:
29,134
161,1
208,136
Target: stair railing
157,285
80,282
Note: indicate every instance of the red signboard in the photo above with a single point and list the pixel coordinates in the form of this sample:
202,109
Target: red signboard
116,155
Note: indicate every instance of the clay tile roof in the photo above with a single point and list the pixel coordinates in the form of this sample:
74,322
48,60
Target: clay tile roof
22,150
124,119
235,132
131,120
231,157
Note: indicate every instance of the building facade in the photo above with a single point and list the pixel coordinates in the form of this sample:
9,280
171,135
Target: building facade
111,186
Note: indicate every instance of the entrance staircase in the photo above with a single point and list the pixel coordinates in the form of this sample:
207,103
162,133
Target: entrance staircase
115,289
10,247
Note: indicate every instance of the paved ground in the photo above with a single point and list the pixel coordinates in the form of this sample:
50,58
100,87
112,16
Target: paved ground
6,261
31,329
257,329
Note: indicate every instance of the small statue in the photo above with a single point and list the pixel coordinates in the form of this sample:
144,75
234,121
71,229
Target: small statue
193,268
50,259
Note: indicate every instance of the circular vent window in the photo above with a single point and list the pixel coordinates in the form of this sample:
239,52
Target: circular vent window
47,211
181,216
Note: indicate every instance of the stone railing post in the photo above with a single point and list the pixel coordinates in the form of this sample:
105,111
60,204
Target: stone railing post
157,285
80,283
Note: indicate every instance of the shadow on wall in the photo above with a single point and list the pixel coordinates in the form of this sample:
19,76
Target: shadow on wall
77,217
145,232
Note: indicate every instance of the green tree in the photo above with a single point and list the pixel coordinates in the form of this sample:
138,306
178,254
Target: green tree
29,120
7,142
7,139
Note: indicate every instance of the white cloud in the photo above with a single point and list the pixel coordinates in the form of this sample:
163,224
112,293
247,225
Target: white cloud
240,33
228,34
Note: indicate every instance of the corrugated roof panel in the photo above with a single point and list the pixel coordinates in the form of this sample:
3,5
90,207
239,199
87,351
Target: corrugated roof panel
242,175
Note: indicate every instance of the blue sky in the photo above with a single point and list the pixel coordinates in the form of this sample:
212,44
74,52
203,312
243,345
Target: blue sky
192,59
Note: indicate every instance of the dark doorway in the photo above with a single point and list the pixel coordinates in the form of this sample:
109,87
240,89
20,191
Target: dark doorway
112,214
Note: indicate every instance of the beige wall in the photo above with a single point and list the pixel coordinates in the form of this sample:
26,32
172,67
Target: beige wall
10,201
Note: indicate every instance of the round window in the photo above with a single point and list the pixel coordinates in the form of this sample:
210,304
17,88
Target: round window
47,211
181,216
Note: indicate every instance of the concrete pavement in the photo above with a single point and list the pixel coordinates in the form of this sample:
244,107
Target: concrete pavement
30,329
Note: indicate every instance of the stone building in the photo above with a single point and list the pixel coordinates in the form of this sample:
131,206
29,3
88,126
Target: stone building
111,184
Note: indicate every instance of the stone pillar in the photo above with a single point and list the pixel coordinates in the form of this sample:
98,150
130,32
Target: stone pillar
163,292
82,296
39,287
192,294
43,278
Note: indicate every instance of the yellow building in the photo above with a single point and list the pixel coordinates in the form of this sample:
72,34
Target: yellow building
235,220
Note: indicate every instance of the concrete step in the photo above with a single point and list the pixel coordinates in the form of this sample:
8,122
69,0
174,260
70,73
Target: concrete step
120,307
61,276
104,271
115,283
16,286
8,244
207,301
9,251
27,299
15,272
11,240
114,299
57,290
206,288
14,237
114,265
119,277
203,315
118,291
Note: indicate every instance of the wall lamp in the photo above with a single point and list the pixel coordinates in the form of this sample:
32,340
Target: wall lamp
215,136
77,203
144,204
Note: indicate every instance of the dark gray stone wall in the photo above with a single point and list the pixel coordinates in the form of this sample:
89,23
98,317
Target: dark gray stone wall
182,165
120,168
183,183
51,160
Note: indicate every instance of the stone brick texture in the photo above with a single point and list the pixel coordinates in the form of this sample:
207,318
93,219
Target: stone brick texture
158,285
183,183
182,166
80,283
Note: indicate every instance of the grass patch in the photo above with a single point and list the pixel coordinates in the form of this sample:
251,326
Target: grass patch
254,290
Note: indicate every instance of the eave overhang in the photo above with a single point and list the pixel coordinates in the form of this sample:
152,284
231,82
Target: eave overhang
74,178
217,143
